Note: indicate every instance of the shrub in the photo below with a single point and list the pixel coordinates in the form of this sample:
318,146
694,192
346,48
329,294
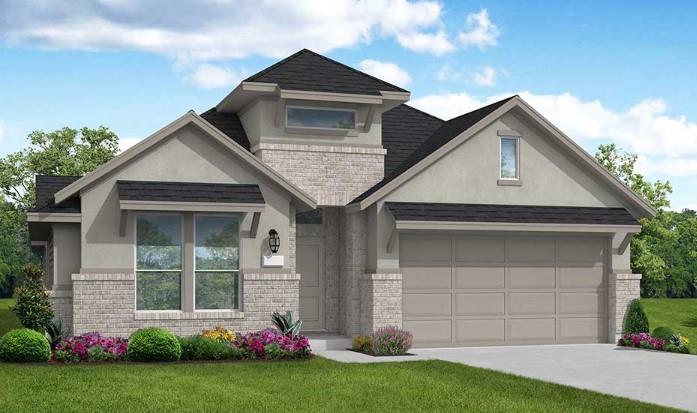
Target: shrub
24,345
642,340
254,345
664,333
274,351
77,348
153,344
204,348
33,308
363,344
220,334
391,341
96,353
636,320
285,323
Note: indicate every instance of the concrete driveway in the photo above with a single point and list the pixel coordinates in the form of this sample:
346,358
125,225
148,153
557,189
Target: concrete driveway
662,378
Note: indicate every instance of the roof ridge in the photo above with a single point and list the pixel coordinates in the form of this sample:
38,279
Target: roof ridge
498,102
275,65
423,112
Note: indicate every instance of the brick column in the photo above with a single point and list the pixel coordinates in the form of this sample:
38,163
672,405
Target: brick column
62,303
381,301
622,290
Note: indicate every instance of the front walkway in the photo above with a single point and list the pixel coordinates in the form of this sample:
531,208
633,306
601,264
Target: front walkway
655,377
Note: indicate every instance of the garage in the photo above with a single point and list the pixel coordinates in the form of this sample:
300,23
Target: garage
465,290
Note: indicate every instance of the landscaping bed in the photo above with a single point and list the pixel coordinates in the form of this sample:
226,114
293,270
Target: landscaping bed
661,338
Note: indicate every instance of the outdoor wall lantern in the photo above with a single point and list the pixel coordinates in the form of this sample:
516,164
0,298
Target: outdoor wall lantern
274,241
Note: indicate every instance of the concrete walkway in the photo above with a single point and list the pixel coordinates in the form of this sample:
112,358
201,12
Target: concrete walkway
655,377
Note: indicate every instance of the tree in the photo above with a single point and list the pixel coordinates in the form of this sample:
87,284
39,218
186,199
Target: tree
64,151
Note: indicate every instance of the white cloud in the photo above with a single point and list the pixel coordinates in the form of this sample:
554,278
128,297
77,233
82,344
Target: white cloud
448,73
125,143
205,30
481,32
210,76
666,145
387,71
3,129
485,77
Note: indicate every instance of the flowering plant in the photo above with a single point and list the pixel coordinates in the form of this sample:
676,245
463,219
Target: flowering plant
642,340
390,341
267,344
220,334
77,348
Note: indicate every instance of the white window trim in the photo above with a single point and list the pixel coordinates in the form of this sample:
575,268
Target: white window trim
181,262
355,118
517,157
239,257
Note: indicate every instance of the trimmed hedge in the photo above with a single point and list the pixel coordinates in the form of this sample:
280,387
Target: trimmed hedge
664,333
636,321
24,345
153,344
204,348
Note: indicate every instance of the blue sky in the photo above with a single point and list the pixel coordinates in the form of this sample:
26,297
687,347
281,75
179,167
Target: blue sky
602,71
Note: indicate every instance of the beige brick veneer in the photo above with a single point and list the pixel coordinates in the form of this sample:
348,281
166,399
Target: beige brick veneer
333,175
623,289
106,303
381,301
62,303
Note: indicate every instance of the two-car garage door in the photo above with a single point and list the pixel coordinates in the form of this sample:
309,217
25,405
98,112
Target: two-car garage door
465,290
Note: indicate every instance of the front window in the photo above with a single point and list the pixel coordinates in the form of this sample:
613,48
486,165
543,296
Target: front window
322,118
509,158
158,262
216,262
309,217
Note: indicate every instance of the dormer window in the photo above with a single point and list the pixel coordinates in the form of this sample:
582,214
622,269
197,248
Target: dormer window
320,118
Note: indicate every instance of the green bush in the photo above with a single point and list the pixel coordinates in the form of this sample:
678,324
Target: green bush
363,344
664,333
96,353
24,345
204,348
636,320
672,348
153,344
33,308
274,351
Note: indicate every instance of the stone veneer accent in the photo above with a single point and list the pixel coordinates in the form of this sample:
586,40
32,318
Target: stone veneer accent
62,303
352,257
623,289
381,301
106,303
332,174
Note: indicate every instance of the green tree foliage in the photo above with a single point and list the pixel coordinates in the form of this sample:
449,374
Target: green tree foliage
665,251
62,152
33,308
636,320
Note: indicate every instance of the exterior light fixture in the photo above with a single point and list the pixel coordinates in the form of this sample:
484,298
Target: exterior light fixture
274,241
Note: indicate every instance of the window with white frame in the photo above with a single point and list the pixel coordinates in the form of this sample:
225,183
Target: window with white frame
216,262
158,261
509,158
320,118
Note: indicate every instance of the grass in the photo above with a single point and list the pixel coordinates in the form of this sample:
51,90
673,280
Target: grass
8,321
680,314
313,385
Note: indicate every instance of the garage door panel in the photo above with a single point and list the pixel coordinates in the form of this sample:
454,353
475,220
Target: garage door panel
582,303
582,277
480,331
426,277
580,250
531,329
426,305
530,250
582,329
531,277
476,304
425,331
479,250
479,277
428,249
531,303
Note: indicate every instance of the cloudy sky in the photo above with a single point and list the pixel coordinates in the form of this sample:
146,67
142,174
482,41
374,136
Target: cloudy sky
602,71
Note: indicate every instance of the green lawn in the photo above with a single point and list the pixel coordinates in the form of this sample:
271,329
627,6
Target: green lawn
680,314
313,385
8,321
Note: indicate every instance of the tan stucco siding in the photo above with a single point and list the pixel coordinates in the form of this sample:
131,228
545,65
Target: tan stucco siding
66,253
188,156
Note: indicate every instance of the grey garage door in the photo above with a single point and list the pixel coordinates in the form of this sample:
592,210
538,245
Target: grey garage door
461,290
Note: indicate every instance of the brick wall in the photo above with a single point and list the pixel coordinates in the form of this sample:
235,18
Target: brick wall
623,289
106,303
381,301
333,175
62,303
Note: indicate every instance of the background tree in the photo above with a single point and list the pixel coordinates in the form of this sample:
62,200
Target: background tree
65,151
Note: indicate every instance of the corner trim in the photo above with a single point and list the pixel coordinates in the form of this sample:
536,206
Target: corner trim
507,226
54,217
190,206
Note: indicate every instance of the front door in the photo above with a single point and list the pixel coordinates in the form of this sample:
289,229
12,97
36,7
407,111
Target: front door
311,268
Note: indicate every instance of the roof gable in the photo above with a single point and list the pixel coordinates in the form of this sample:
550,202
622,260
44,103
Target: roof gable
310,71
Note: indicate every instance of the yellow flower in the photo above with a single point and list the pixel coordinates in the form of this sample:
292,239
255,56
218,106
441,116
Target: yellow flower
220,333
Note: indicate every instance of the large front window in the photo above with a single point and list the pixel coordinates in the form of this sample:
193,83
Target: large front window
158,262
322,118
216,262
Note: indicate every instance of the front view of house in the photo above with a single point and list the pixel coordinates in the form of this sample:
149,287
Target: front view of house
315,188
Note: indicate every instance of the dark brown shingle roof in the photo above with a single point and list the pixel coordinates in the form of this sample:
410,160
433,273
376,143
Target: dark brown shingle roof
46,188
189,192
229,124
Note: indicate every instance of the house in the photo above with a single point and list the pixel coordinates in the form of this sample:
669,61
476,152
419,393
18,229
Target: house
314,187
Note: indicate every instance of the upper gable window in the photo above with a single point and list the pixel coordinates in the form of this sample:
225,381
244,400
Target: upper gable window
320,118
509,157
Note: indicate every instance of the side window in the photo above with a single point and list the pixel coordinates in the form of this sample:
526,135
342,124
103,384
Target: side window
509,158
158,262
